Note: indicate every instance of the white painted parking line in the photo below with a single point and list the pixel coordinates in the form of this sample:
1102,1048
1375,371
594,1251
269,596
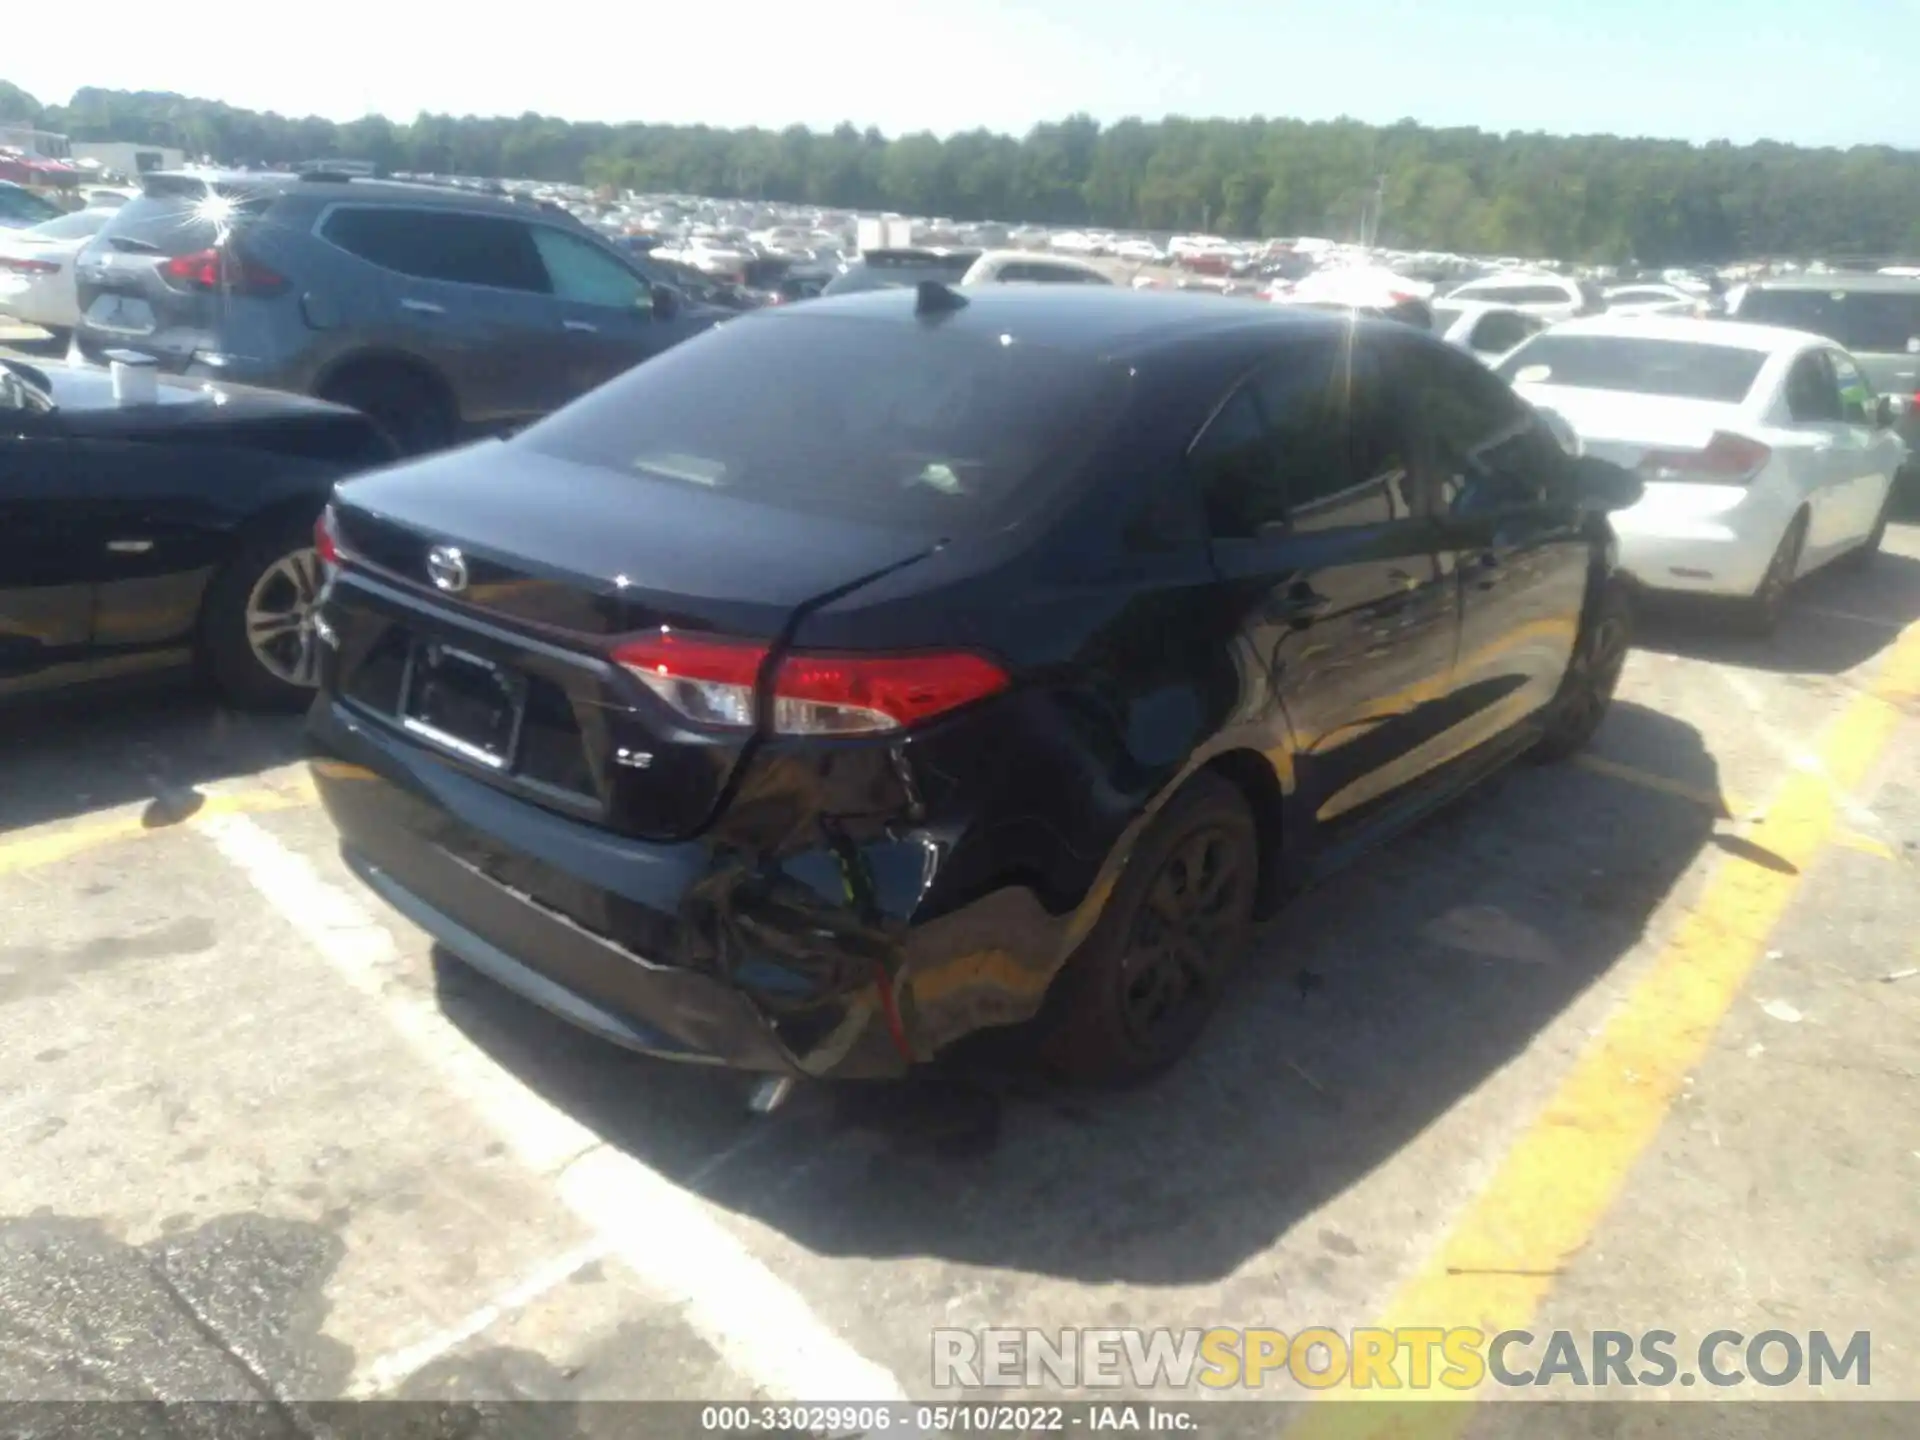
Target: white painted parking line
389,1371
1788,747
666,1236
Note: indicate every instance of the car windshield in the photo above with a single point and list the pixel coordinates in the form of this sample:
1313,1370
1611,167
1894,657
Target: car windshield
1636,365
77,226
865,420
1872,322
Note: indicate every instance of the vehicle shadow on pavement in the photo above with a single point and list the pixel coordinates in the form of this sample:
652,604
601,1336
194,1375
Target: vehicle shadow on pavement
1837,619
70,755
1371,1006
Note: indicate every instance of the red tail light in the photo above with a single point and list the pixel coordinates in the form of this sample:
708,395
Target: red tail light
31,267
1728,459
222,269
326,538
716,682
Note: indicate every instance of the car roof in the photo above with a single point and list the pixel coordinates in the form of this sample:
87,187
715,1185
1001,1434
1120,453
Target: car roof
1476,307
1517,277
1096,320
1040,257
1843,280
324,186
1733,334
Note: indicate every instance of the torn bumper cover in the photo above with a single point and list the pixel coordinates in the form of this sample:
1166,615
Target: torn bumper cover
809,963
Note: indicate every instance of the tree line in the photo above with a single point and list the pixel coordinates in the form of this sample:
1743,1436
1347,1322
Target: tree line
1592,197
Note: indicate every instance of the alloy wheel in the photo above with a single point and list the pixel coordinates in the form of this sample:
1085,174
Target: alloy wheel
1181,941
279,617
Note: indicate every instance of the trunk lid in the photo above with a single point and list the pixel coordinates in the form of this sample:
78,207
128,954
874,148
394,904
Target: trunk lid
561,559
1623,427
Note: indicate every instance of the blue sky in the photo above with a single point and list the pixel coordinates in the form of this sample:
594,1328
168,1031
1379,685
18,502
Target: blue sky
1838,73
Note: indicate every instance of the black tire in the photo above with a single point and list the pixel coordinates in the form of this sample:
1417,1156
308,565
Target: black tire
1174,929
1593,673
1759,614
412,411
264,571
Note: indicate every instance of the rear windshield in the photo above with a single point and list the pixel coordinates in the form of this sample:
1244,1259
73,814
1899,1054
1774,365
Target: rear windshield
907,426
179,216
1637,366
1873,322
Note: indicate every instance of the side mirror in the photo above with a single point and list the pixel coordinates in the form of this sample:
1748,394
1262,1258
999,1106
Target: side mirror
1602,485
1883,413
667,302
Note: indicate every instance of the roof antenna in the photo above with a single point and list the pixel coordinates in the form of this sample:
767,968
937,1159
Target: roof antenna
934,298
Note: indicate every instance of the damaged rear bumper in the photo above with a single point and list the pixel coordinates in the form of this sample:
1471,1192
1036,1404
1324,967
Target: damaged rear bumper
818,963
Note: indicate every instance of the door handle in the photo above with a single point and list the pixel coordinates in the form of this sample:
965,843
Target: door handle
423,307
581,327
1302,605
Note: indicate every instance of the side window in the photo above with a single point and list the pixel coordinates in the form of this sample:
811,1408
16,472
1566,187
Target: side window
1812,397
1233,464
1501,330
582,272
1336,438
1857,398
1017,272
444,245
1482,449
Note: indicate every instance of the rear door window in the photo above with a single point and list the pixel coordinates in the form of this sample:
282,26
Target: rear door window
446,245
1812,396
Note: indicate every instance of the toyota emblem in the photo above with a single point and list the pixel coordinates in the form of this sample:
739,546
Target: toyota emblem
447,568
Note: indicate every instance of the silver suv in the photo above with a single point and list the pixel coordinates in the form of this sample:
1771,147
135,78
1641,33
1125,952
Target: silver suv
441,313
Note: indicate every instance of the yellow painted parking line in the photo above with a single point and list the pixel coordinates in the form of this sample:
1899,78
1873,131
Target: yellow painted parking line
1560,1178
50,844
1717,801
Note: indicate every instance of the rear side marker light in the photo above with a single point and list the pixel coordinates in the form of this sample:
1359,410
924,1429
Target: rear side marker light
326,539
717,682
1727,459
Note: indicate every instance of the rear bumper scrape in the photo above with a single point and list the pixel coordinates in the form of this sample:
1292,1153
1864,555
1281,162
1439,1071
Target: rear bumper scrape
813,963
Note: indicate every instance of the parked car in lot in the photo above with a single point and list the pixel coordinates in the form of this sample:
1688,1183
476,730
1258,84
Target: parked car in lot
440,312
1874,318
140,536
1648,298
868,672
1552,297
1010,267
36,270
899,268
1765,452
1485,329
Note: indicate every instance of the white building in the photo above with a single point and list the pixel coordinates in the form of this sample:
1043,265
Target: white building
124,158
34,144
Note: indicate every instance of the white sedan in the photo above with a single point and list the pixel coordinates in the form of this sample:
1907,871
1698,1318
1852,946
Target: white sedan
1765,452
36,269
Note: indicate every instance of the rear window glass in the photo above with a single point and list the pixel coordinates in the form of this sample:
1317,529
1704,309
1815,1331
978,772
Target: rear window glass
179,217
1445,317
944,432
1861,320
1636,365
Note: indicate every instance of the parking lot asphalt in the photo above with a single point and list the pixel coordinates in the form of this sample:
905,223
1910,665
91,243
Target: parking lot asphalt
1615,1044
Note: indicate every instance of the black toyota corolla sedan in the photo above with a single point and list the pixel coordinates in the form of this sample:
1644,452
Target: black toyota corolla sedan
143,532
867,673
